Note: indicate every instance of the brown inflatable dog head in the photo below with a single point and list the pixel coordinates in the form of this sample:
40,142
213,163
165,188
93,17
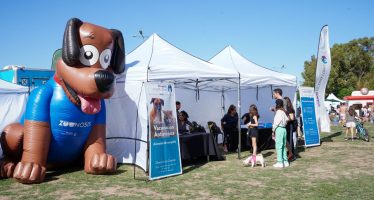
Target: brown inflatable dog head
91,55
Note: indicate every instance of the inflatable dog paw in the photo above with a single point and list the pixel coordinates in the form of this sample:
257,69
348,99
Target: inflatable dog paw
65,118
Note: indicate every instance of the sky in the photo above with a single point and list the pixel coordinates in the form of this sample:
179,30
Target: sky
271,33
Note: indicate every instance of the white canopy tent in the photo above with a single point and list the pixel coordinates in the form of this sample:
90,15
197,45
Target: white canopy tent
13,100
333,98
198,86
256,83
333,101
203,88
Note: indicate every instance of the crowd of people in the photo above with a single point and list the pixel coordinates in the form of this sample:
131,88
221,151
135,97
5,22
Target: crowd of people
348,116
284,129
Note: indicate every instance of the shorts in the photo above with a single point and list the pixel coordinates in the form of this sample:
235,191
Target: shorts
350,124
342,116
253,132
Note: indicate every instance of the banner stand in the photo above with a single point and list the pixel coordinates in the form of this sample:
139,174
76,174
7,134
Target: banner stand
308,110
164,157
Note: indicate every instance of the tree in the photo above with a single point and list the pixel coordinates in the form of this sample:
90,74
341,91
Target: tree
352,67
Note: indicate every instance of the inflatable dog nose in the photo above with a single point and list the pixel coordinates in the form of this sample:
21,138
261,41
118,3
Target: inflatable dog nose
104,80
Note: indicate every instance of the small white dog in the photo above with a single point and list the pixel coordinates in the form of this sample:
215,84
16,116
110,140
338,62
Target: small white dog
259,160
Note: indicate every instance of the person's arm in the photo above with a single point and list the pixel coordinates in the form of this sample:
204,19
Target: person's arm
256,122
292,115
244,118
277,120
223,122
190,126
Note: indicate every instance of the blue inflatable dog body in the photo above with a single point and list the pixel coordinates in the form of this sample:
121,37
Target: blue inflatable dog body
70,127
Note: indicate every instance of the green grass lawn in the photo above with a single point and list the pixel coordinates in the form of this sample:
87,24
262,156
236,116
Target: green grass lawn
337,169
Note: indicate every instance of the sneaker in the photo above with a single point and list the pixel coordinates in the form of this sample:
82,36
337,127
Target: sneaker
286,164
278,165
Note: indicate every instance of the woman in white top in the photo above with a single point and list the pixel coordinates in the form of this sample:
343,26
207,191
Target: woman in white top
280,122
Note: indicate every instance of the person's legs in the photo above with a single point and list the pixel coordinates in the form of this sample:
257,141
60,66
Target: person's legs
346,133
254,145
225,138
280,144
351,128
284,153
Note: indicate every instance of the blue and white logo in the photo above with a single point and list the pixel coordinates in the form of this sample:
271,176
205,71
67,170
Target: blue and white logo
324,59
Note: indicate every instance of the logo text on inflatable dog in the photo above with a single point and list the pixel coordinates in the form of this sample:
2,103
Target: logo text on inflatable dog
74,124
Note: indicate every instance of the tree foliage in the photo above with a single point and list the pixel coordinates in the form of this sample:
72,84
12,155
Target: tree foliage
352,67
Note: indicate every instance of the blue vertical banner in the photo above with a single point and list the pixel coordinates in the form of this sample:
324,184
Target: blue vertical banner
308,111
164,157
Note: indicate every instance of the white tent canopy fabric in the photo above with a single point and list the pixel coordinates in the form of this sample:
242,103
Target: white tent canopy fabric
158,60
333,98
13,100
256,82
251,74
332,101
203,88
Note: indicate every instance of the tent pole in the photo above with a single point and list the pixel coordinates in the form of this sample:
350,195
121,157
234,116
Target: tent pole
239,128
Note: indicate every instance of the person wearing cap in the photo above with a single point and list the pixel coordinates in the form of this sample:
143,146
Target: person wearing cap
279,132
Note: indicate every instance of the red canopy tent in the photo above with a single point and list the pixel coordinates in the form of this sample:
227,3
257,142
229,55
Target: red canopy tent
358,98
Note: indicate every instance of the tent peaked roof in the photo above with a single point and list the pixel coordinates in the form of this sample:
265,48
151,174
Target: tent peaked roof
157,59
332,97
251,73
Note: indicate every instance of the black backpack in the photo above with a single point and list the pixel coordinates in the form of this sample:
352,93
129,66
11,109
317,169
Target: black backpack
214,128
197,128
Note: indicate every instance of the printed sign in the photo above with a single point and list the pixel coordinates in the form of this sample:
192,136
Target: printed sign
308,111
164,156
322,76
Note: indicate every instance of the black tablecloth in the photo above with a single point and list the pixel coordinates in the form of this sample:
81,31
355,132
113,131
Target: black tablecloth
198,144
264,139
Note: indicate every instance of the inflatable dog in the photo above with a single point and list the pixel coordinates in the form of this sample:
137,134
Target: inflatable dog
65,119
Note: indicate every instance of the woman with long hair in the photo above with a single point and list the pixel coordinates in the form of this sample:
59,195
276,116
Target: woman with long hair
229,125
350,122
252,129
184,125
291,127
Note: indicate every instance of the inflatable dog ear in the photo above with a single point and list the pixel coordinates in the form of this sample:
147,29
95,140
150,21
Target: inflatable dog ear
71,47
118,56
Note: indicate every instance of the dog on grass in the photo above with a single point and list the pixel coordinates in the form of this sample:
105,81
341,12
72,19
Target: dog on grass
259,160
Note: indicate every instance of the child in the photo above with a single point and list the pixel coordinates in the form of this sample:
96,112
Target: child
279,131
350,123
252,129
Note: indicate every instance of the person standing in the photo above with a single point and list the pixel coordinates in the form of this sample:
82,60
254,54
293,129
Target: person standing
343,110
290,128
277,94
252,129
279,132
229,125
350,123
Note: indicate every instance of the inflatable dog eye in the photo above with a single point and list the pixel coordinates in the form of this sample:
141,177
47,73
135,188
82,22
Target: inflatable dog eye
65,118
71,50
